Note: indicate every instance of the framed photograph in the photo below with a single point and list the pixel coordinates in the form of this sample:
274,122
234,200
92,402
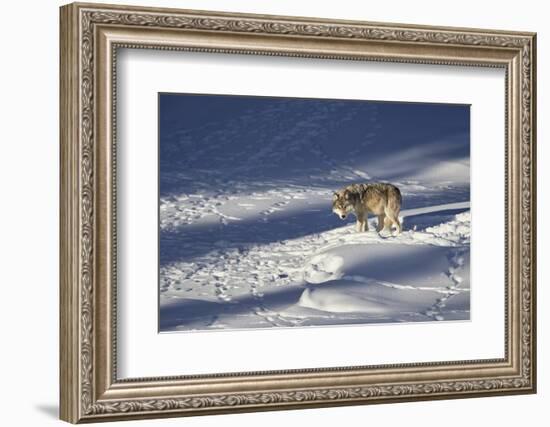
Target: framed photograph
267,212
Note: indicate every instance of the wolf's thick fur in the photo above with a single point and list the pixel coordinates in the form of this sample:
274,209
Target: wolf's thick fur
382,199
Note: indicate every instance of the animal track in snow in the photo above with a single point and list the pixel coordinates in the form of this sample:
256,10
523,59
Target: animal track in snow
456,260
322,268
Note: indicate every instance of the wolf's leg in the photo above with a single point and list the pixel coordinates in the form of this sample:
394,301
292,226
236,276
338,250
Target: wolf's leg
394,216
387,223
381,222
399,226
362,224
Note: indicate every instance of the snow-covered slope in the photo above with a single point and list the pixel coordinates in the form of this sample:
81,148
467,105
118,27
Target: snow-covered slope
248,239
337,276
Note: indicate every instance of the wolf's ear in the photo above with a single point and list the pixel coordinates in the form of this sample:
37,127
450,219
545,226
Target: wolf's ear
335,195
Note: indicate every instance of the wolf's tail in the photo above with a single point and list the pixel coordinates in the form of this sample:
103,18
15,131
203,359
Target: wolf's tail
394,198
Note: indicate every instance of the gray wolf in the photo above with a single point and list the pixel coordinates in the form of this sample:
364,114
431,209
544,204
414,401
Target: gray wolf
381,199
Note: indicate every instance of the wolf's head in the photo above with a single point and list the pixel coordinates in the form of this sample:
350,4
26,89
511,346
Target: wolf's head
342,204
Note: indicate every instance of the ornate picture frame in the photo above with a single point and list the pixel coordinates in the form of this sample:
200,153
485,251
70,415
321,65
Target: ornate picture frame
90,37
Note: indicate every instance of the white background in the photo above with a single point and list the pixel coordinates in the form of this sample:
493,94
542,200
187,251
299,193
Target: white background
29,172
145,353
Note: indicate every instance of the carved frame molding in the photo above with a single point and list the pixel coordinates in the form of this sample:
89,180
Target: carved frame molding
90,36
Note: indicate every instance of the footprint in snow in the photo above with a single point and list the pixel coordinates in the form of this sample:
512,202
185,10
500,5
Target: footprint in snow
322,268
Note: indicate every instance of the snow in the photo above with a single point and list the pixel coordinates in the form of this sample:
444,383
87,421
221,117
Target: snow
248,239
428,278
